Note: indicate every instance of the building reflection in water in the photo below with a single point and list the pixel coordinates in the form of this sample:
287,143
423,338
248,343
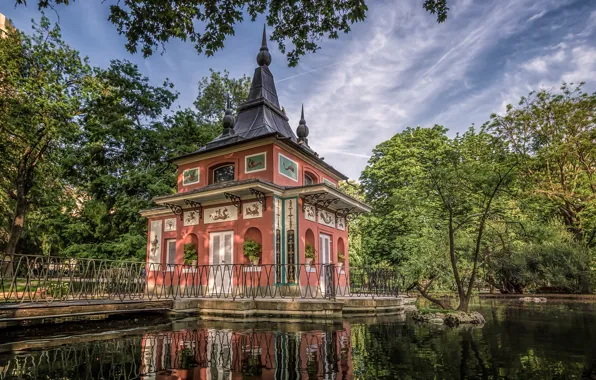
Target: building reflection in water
221,354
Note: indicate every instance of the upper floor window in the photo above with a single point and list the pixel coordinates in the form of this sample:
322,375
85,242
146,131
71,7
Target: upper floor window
308,180
223,173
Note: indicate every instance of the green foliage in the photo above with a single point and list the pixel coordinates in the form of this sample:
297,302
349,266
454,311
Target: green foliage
109,135
190,253
252,249
536,233
45,88
309,251
148,25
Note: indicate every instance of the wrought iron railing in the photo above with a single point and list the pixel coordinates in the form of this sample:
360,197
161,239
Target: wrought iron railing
30,278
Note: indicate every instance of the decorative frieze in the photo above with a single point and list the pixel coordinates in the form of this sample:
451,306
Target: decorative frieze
255,163
252,210
288,167
310,213
169,224
155,242
341,223
191,218
190,176
326,218
220,214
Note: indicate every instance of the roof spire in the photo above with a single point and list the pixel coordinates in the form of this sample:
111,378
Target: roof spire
264,58
228,120
302,130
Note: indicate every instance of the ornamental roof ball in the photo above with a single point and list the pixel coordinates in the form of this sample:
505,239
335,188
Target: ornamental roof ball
264,57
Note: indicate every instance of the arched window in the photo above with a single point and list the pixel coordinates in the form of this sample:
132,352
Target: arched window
223,173
309,179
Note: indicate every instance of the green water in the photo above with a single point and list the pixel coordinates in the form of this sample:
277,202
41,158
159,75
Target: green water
537,341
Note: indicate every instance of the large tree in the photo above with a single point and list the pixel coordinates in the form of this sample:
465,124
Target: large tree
150,24
45,86
435,197
554,136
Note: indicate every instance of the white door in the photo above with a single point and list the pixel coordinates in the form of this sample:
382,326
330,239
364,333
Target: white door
324,259
221,258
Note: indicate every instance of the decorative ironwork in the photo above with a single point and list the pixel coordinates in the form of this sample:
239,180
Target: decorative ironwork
348,213
196,205
324,203
236,201
261,197
46,279
311,199
177,210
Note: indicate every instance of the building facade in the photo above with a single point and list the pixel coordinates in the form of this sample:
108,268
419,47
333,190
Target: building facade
257,181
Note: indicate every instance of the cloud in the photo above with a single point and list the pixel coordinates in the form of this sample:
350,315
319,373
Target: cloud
536,16
403,69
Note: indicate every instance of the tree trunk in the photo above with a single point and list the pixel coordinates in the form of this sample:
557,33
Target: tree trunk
464,304
18,221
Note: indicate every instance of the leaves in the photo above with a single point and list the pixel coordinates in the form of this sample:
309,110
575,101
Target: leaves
149,24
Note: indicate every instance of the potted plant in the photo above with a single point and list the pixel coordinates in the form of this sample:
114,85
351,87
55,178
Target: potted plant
190,254
340,259
252,250
309,254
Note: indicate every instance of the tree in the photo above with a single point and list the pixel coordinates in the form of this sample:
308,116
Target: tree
553,136
454,185
45,86
150,24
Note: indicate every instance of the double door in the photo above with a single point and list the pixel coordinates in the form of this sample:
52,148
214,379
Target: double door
324,260
221,259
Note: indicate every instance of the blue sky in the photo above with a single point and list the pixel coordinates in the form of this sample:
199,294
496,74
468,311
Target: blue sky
399,68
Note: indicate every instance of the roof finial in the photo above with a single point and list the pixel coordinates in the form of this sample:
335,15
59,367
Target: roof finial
228,120
264,58
302,130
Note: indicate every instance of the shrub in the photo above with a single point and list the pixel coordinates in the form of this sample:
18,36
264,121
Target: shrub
252,249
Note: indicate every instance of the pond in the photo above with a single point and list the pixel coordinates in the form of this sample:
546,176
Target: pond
519,341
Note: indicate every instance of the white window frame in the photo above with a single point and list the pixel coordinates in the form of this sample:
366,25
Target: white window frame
167,244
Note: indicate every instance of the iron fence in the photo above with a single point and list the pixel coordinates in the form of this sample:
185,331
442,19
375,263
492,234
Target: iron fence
31,278
196,353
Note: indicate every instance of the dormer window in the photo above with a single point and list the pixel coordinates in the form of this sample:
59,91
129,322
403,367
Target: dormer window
223,173
308,180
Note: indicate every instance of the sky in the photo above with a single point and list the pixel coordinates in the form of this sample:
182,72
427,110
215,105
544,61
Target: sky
397,69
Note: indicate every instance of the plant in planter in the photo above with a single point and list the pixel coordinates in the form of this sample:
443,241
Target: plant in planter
190,254
341,258
252,250
309,254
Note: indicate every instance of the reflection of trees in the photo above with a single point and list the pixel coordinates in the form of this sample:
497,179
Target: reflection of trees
518,342
108,359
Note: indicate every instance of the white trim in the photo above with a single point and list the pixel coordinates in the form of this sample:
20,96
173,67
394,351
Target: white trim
167,244
252,269
184,183
279,156
328,182
253,155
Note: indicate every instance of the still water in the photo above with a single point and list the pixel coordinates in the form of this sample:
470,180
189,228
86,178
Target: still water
538,341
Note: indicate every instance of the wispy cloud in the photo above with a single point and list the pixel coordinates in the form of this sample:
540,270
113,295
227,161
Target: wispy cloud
404,70
399,68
